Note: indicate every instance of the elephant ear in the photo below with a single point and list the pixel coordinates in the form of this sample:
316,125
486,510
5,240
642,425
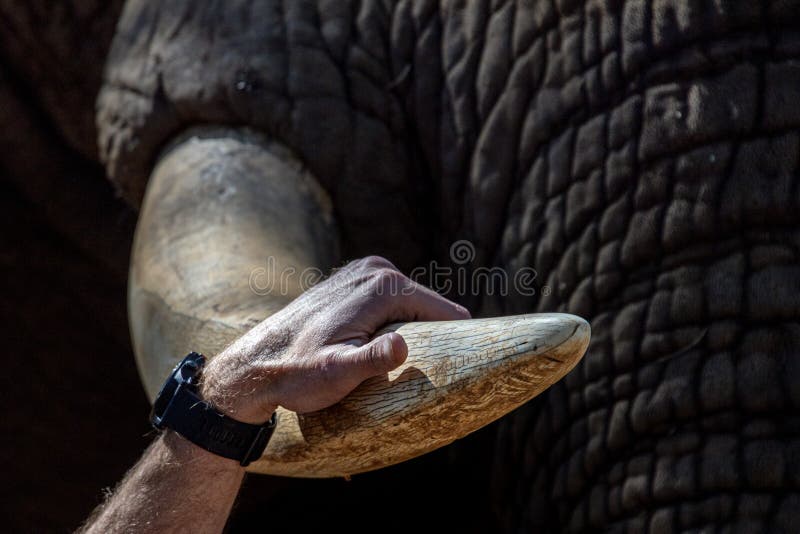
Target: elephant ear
231,229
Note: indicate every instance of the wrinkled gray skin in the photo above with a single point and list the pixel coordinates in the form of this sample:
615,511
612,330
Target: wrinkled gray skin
641,156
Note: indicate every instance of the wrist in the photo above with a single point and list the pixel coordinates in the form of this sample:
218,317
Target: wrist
239,395
184,452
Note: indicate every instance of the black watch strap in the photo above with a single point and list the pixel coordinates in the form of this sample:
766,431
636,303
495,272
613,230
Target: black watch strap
204,426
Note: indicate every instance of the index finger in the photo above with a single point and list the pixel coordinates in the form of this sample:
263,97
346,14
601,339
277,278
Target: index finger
398,298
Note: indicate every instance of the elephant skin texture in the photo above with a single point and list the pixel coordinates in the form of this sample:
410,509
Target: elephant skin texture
641,156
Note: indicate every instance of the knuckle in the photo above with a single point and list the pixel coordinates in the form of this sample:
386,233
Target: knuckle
386,281
365,268
373,359
384,273
377,274
377,262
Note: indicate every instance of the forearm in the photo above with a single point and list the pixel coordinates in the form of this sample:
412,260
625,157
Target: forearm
175,487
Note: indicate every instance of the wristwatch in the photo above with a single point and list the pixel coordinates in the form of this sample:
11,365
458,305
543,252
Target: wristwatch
180,408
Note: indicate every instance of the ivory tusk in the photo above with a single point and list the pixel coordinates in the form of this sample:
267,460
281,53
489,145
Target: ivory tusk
458,377
229,226
217,203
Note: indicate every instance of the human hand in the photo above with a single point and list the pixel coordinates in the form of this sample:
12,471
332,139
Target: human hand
316,350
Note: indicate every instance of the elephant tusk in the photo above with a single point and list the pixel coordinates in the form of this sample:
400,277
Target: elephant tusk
229,225
459,376
217,202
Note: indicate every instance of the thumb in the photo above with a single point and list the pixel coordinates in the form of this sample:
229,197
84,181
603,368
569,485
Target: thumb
377,357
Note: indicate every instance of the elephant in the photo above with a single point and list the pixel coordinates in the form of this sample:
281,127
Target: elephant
640,155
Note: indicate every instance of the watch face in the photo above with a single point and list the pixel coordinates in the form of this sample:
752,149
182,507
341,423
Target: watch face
186,372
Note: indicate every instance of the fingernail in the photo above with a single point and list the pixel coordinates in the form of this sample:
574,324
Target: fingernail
388,347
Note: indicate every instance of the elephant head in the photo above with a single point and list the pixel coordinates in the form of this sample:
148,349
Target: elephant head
641,156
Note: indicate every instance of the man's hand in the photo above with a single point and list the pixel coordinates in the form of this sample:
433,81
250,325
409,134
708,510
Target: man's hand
304,358
317,349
